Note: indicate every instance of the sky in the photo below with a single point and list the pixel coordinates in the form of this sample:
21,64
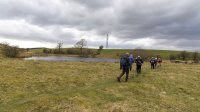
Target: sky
147,24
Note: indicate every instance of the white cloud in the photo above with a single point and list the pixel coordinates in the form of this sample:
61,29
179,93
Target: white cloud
21,30
130,23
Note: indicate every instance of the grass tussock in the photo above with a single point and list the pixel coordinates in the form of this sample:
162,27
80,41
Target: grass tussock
39,86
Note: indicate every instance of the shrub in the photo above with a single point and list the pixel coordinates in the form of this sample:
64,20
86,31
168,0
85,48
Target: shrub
51,51
73,51
56,51
9,51
196,57
86,53
45,51
172,57
184,55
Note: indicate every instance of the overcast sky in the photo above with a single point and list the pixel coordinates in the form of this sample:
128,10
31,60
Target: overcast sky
149,24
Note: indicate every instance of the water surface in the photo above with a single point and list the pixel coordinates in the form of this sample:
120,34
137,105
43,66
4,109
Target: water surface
71,59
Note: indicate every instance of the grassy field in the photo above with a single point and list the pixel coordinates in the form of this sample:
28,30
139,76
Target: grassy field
113,52
39,86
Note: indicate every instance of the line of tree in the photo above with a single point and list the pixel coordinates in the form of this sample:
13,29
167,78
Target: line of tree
184,55
80,48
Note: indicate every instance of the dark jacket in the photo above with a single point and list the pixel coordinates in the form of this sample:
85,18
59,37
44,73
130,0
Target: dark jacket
152,61
127,64
138,61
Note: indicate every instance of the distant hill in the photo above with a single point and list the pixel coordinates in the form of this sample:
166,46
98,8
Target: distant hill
162,53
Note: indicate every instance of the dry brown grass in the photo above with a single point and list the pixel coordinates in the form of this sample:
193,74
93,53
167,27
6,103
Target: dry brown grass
39,86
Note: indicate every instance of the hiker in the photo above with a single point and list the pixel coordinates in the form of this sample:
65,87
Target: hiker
139,63
160,60
156,61
131,59
124,66
152,62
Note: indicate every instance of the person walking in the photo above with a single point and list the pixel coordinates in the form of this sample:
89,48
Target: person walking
139,63
152,62
131,59
159,60
125,66
156,62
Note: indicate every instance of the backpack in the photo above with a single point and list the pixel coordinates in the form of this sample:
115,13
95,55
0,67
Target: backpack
123,61
139,62
152,61
159,60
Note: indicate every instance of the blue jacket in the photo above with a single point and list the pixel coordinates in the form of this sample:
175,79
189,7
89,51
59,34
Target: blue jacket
131,59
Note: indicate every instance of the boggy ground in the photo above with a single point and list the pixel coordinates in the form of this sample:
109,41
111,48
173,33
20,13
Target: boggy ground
39,86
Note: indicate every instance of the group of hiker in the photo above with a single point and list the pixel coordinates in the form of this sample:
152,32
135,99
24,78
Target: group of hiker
126,62
154,61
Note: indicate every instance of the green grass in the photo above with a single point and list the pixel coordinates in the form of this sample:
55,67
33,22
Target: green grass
41,86
113,52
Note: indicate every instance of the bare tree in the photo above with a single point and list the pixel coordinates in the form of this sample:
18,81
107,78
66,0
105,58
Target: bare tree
59,46
81,44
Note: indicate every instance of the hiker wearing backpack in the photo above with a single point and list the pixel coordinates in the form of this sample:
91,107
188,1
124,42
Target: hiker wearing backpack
156,62
159,60
152,62
131,59
125,66
139,63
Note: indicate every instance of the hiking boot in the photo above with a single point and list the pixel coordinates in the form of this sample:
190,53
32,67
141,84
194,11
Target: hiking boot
118,79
